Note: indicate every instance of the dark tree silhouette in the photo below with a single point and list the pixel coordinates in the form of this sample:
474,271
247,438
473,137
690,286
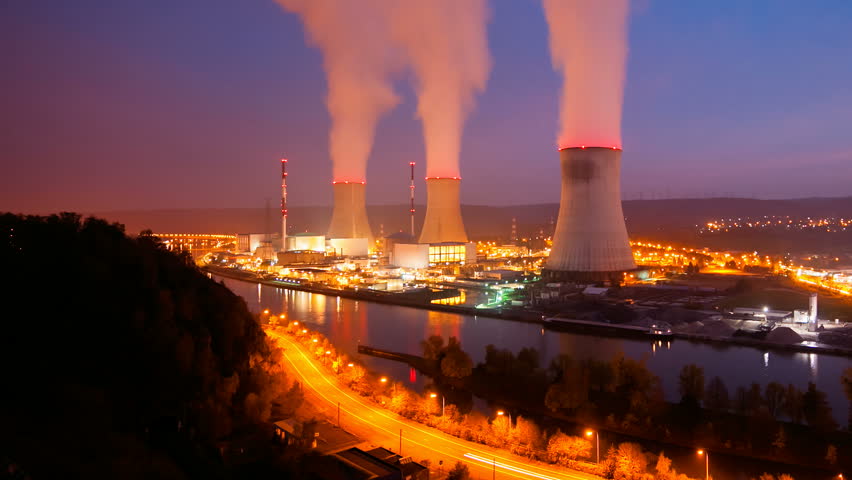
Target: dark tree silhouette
716,395
816,409
110,342
691,383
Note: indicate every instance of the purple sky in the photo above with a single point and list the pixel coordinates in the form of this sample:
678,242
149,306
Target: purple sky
110,104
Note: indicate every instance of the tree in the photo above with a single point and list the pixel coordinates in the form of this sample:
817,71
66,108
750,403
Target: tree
564,449
774,398
631,462
459,472
455,362
601,375
292,399
432,347
831,454
527,361
608,466
571,390
691,383
665,471
528,433
846,381
816,409
664,468
793,404
501,429
780,441
716,395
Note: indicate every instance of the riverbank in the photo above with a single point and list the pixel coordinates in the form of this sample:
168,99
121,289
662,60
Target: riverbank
527,316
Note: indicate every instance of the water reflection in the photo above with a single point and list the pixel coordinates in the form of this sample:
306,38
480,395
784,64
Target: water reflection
444,324
348,322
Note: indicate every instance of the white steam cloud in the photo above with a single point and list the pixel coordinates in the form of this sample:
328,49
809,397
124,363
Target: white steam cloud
358,60
446,43
588,44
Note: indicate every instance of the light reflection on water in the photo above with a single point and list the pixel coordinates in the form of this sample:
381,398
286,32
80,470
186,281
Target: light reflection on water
348,323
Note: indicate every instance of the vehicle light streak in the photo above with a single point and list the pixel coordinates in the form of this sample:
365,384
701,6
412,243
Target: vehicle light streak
425,436
493,462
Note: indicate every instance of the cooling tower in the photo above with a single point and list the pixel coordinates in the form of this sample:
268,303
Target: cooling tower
590,242
443,221
349,218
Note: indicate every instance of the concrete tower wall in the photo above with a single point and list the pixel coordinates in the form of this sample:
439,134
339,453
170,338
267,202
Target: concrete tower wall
590,241
443,221
349,218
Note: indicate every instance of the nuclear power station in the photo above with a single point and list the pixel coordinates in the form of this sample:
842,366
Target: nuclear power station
443,221
349,230
590,242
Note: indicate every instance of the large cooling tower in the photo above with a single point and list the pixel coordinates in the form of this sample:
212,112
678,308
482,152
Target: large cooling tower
590,242
349,219
443,221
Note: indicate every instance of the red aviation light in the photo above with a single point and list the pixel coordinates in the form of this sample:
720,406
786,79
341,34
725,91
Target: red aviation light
283,160
411,163
583,147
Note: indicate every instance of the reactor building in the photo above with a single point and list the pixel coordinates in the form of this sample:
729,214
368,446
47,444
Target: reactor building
590,241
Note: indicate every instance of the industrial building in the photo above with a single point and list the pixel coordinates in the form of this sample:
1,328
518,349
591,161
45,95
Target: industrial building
423,255
590,242
349,217
443,222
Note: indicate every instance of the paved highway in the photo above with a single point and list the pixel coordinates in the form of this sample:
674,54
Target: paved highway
382,427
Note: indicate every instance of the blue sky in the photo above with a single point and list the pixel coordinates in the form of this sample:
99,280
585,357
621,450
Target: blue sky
161,103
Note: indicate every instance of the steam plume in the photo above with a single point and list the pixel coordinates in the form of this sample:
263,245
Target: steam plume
354,39
588,43
446,43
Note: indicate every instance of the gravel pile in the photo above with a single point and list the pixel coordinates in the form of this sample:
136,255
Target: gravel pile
784,335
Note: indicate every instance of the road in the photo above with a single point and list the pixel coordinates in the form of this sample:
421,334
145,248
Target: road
382,427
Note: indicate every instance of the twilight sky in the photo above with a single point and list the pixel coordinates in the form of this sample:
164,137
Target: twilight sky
118,104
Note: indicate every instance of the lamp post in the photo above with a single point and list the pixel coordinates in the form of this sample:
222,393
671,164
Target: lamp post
501,413
706,462
597,435
443,401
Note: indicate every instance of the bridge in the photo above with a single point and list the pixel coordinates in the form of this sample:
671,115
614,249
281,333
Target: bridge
420,363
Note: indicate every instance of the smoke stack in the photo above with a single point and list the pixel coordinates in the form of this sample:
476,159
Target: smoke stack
412,198
590,242
443,221
283,204
813,318
349,219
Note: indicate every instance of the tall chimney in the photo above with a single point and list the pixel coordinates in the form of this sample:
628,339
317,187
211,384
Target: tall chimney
349,218
590,241
813,318
443,221
283,204
411,164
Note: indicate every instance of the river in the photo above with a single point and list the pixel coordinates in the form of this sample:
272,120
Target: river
348,322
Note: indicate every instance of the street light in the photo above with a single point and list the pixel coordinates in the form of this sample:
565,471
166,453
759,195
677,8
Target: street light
706,463
383,379
501,413
443,401
597,435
